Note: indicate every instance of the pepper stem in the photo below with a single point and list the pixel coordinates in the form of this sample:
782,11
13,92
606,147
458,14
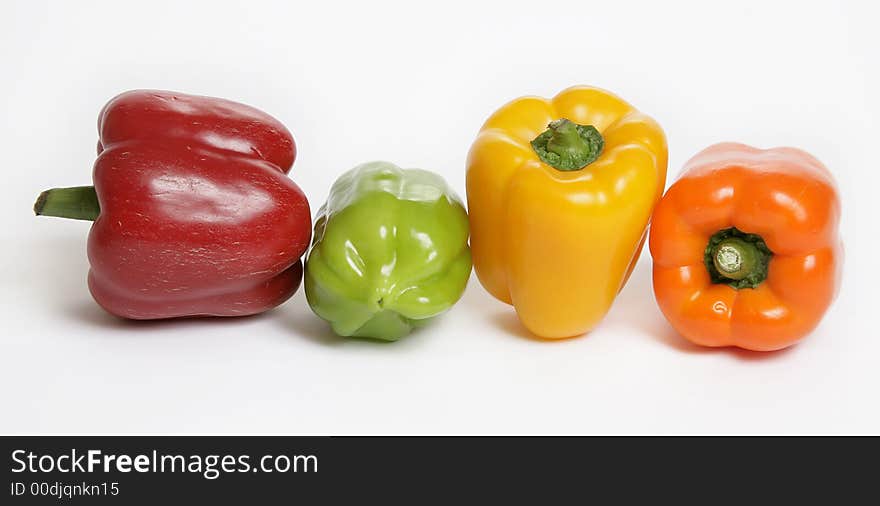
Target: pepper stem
76,203
567,146
737,259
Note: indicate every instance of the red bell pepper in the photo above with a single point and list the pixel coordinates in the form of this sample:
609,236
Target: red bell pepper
193,212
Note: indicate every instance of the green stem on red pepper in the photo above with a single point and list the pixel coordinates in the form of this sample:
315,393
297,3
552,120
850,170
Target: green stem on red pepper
567,146
76,203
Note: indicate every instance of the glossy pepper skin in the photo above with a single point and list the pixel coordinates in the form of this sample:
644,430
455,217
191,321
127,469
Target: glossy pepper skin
390,252
781,203
559,242
194,213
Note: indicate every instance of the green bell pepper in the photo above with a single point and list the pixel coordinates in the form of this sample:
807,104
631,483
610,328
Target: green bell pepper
390,252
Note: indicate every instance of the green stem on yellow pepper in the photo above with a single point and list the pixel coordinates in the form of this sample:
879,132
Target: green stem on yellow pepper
567,146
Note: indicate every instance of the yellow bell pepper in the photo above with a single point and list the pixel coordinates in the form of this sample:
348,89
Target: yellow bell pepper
559,194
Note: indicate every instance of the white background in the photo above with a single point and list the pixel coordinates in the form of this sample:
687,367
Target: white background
410,83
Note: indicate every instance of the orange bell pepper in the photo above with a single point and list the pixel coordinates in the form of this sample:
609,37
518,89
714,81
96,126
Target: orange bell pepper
559,193
745,247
